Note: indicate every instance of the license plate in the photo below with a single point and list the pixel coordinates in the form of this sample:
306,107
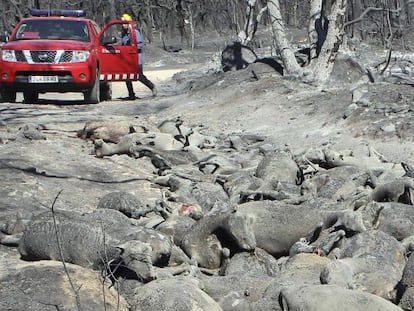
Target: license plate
43,79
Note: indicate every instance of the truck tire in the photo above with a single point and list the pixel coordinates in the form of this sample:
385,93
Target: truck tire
7,96
30,97
92,95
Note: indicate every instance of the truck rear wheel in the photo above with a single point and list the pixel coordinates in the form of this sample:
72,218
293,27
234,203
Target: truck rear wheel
7,96
92,95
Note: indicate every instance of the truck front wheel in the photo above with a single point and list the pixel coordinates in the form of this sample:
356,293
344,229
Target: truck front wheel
7,96
92,95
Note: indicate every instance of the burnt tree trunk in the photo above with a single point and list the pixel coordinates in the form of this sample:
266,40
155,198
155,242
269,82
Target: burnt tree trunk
322,66
283,46
314,16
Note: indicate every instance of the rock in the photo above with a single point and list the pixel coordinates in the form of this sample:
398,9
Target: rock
44,285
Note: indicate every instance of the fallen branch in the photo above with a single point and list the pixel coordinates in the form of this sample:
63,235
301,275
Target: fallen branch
62,258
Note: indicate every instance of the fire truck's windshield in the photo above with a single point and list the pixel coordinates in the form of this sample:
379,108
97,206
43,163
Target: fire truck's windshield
52,29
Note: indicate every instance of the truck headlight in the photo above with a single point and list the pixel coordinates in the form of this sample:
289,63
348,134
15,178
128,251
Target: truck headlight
80,56
8,56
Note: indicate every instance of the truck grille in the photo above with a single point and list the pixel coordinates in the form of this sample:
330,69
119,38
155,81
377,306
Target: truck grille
43,57
66,57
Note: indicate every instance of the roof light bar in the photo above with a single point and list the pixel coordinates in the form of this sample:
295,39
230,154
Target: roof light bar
49,12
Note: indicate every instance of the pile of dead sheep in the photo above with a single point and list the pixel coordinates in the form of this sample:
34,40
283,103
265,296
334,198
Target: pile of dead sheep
241,225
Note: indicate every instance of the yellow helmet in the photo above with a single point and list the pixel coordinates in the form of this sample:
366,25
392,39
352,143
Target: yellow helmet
126,17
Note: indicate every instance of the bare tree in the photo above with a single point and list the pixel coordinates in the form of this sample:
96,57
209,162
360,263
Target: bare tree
325,33
322,68
190,19
283,46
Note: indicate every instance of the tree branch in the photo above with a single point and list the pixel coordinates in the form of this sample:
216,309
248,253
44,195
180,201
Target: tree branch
370,9
62,258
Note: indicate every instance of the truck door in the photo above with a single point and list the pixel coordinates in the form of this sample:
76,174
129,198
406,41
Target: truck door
117,62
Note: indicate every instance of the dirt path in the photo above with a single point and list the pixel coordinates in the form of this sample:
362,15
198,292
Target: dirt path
156,75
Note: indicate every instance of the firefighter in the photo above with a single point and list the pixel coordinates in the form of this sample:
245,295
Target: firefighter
126,40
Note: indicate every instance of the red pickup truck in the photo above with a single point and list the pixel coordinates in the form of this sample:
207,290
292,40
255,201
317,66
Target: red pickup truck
63,51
